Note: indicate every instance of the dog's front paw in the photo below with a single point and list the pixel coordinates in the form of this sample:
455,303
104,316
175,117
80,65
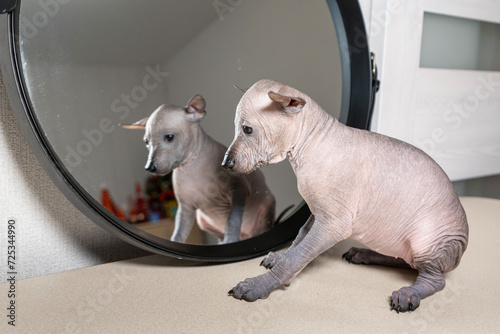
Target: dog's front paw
271,259
254,288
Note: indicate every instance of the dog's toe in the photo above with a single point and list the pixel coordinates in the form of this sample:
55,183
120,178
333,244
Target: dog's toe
254,288
404,300
270,260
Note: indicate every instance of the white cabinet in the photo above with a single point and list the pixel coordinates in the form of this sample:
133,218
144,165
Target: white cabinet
452,114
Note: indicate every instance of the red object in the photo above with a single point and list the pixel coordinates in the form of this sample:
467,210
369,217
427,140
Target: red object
120,214
107,202
166,195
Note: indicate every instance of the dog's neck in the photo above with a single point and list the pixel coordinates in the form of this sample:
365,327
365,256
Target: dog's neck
316,125
198,144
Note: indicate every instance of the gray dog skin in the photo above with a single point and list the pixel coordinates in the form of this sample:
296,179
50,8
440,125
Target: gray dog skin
382,192
231,207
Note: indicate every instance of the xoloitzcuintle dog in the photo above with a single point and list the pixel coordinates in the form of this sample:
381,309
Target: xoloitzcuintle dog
382,192
230,207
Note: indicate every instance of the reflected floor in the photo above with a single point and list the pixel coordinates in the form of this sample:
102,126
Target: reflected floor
165,227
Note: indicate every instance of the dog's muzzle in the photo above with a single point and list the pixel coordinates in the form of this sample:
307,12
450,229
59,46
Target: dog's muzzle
151,166
228,162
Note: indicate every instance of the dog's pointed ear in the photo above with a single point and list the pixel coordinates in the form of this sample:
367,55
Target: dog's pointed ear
137,125
290,105
195,109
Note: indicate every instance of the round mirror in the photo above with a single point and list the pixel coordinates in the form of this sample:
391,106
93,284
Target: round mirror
85,69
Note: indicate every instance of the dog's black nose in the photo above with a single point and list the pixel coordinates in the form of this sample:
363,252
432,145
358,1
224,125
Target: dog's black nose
150,166
228,162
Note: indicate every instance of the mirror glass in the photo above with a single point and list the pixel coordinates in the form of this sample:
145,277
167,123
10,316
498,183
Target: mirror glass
91,65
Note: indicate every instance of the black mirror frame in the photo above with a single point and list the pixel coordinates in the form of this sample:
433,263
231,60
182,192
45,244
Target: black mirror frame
357,102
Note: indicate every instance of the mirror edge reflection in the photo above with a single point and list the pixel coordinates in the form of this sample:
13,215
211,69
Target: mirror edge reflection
356,100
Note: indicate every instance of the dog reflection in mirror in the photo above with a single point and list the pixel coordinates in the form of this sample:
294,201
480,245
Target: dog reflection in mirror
230,207
382,192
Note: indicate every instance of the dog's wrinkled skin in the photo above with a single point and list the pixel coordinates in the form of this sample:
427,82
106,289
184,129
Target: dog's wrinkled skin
230,207
385,193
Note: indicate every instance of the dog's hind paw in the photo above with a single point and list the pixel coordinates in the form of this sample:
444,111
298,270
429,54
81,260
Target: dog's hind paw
367,256
405,299
356,256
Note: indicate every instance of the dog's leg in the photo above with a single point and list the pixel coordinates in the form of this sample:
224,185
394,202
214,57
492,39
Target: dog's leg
184,221
233,225
367,256
322,236
274,257
429,281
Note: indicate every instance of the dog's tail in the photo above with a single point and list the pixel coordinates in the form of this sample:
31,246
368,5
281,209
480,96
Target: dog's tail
283,213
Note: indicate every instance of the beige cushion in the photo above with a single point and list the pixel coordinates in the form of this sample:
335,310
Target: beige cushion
156,294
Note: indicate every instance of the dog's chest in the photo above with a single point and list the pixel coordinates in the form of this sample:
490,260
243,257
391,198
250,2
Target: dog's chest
207,193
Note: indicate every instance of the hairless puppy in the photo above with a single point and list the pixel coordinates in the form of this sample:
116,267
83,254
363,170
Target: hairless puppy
230,207
382,192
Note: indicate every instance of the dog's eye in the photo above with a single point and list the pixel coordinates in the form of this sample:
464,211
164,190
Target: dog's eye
248,130
169,137
146,141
